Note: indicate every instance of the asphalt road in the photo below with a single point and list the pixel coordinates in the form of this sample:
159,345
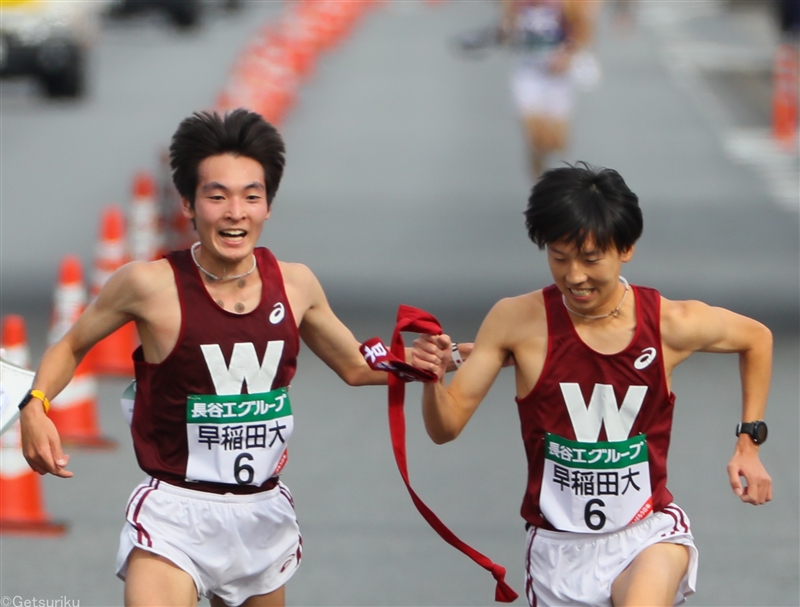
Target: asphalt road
405,183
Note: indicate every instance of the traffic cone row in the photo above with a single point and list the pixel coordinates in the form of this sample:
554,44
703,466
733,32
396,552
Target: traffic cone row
786,80
267,75
21,502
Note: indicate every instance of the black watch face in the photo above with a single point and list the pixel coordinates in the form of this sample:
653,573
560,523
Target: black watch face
760,432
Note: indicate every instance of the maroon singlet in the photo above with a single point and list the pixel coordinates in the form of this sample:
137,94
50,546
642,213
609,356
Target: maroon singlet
159,418
570,360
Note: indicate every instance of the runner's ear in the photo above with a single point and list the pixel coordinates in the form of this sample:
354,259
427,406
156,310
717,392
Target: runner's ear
187,208
627,254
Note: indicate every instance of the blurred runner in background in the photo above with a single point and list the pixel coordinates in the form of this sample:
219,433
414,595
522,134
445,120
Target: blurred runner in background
548,38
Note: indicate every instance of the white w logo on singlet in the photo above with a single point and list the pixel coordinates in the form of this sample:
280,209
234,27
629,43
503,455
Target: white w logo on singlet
602,410
244,367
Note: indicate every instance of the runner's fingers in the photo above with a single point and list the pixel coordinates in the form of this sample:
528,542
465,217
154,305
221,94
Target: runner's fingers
41,463
35,459
427,350
764,489
736,482
757,491
36,467
60,460
443,341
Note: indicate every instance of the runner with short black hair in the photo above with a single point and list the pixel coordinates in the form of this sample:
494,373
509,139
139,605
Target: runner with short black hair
594,357
220,326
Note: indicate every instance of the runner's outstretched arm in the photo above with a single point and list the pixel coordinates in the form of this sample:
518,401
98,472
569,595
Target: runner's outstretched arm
692,326
447,409
113,307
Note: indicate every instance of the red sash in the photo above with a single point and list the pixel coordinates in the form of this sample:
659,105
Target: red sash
418,321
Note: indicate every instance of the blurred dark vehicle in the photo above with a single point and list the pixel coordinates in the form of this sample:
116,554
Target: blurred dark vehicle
184,14
789,17
50,41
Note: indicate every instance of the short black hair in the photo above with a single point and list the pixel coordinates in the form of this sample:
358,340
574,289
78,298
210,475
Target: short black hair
574,203
240,133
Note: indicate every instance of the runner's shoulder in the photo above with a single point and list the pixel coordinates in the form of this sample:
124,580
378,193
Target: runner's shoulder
144,278
676,314
297,274
684,322
525,307
513,318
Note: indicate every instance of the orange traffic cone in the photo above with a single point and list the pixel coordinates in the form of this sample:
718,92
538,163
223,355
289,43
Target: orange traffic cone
145,223
301,45
15,341
265,80
112,355
785,96
21,509
73,411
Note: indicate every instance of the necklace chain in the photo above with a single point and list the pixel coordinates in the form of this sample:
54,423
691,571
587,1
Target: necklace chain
614,312
214,276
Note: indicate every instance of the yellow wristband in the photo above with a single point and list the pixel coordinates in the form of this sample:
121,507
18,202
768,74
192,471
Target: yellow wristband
40,395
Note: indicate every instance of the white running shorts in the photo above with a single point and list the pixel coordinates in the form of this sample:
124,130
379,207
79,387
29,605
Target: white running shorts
233,546
574,569
537,92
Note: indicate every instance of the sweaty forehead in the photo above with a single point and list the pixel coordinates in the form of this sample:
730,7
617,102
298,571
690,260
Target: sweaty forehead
573,246
230,170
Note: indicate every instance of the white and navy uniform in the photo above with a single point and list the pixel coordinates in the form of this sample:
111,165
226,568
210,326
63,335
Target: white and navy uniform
540,29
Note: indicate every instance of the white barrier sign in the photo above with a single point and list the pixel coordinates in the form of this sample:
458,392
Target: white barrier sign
15,382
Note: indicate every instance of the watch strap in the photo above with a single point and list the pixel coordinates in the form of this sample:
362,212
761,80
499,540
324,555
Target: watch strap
35,394
751,429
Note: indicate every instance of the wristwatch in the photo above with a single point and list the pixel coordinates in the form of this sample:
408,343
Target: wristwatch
757,431
28,397
35,394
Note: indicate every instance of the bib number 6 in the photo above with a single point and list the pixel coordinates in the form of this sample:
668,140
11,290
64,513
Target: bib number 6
245,474
594,517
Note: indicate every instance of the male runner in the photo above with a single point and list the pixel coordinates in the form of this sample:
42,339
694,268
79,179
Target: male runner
546,36
220,326
594,358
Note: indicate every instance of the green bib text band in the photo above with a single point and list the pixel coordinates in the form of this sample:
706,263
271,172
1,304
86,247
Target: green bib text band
228,408
596,456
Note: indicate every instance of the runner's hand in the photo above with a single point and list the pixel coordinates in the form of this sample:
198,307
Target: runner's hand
746,464
41,444
432,353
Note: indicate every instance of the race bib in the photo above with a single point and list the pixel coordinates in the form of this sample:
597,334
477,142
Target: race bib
539,27
237,439
595,487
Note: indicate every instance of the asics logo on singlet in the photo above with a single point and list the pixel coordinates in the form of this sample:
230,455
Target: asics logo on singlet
277,314
244,367
603,410
648,356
